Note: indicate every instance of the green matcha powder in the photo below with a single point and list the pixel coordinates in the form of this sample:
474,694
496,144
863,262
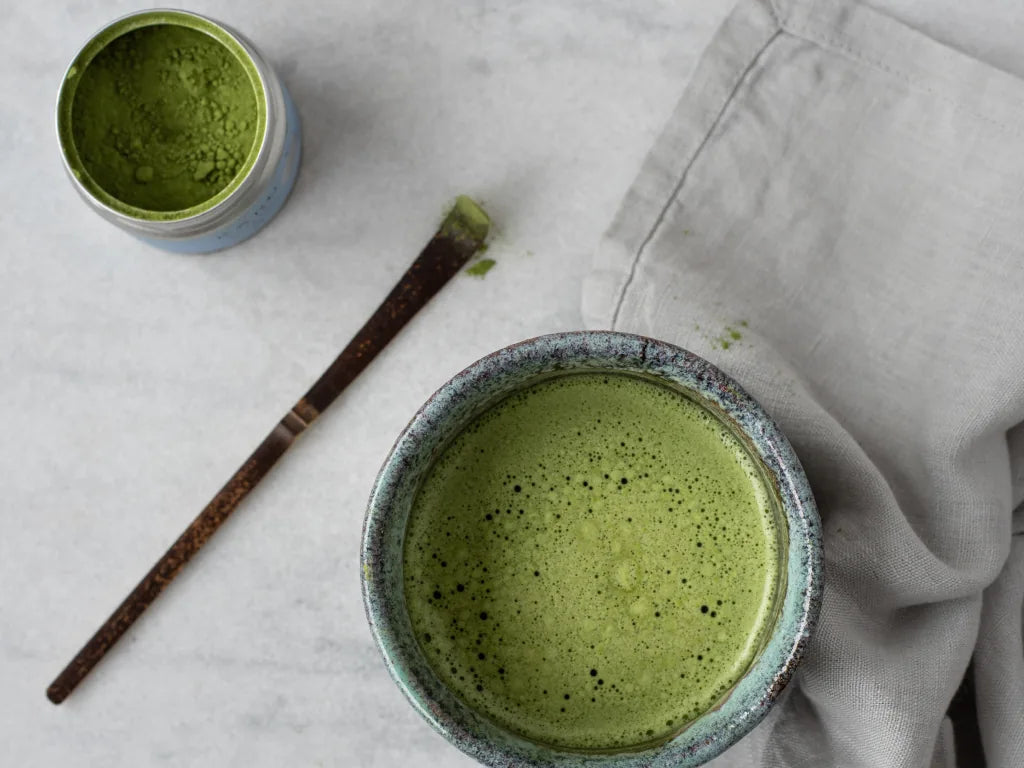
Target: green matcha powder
164,117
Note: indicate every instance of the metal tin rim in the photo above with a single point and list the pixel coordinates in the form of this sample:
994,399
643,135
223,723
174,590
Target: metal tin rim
204,215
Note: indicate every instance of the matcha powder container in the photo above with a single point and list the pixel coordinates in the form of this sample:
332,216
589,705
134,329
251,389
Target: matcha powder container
174,128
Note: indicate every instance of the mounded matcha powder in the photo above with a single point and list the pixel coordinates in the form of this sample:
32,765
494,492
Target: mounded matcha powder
164,117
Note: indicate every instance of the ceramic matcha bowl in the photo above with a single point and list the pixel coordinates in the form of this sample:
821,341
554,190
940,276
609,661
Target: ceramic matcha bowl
796,587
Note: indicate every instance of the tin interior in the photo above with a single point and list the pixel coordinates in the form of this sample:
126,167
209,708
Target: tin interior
66,99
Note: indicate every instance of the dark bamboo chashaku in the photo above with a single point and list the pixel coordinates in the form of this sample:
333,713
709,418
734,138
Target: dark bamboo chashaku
460,236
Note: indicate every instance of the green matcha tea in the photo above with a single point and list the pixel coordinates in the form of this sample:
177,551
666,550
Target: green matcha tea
164,117
592,563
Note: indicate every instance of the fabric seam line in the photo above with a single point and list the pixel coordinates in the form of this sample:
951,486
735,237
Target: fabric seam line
686,169
807,35
839,45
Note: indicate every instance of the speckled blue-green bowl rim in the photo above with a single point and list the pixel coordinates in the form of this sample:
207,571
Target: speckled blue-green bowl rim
473,390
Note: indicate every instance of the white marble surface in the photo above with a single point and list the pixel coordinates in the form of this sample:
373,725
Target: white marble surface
134,382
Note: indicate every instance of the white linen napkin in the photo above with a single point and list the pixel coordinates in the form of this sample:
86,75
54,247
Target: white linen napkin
834,215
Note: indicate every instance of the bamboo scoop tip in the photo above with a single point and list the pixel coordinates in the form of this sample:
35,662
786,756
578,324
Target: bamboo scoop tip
466,219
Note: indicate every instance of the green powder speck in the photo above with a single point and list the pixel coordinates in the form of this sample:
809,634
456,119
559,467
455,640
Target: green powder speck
481,268
164,117
729,336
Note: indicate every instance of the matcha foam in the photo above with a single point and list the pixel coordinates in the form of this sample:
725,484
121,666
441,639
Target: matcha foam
592,563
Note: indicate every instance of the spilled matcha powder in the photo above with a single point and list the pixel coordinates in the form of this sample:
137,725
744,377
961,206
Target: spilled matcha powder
481,268
164,117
